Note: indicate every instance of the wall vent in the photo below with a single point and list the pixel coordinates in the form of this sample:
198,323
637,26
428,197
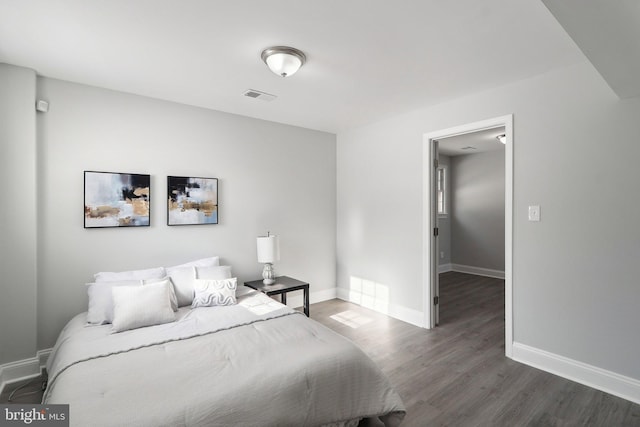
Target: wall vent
256,94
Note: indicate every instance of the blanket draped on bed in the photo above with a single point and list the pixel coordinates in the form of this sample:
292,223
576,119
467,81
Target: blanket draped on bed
257,363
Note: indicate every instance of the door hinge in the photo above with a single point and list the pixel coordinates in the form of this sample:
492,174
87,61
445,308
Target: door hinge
435,231
436,300
436,163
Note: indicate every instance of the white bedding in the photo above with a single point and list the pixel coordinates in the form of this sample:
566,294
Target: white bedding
257,363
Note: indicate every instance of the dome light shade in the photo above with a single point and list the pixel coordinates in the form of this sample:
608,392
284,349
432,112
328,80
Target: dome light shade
283,60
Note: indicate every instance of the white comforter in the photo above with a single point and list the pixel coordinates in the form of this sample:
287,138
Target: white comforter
257,363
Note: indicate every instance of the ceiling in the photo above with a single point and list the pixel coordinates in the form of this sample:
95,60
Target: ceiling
608,32
479,141
366,59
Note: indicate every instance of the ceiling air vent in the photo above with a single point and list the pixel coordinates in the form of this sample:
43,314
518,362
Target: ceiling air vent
256,94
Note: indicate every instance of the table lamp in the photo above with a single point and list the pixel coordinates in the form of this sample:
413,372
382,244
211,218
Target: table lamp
268,253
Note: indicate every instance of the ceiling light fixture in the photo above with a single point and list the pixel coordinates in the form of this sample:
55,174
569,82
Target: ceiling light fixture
283,60
502,138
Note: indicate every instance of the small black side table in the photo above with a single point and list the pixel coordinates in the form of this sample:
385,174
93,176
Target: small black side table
282,285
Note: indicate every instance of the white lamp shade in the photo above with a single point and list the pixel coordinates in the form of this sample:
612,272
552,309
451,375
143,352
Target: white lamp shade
283,64
268,249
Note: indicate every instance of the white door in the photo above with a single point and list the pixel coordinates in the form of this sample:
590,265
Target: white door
435,279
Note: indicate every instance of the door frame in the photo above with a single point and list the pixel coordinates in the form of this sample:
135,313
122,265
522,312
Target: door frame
430,266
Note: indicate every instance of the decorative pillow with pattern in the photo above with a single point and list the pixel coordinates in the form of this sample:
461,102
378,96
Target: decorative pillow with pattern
211,293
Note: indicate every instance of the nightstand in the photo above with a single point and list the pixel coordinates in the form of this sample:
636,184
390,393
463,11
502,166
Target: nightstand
283,285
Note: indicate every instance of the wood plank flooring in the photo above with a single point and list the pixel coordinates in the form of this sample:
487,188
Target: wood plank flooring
457,374
30,391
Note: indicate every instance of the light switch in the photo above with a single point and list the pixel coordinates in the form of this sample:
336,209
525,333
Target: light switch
534,213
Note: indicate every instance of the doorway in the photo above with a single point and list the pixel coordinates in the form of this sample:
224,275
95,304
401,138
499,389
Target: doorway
433,202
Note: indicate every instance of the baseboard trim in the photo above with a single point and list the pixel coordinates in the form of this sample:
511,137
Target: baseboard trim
445,268
25,369
479,271
399,312
591,376
297,299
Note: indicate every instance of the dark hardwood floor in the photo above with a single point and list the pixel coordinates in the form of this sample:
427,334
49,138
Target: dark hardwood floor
28,391
457,374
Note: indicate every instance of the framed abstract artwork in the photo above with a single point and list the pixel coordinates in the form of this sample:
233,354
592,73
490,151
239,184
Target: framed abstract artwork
192,200
114,199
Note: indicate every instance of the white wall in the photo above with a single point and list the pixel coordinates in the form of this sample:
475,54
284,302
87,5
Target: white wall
477,210
575,273
271,177
17,214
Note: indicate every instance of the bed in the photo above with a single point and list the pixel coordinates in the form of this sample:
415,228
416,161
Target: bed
253,363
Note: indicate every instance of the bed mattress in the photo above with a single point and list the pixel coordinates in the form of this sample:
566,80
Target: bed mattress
257,363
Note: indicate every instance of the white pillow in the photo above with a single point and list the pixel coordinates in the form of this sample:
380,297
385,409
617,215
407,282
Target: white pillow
182,279
204,262
140,306
100,309
151,273
214,273
210,293
172,292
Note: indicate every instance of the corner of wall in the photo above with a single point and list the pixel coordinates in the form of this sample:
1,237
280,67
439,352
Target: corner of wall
25,369
396,311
